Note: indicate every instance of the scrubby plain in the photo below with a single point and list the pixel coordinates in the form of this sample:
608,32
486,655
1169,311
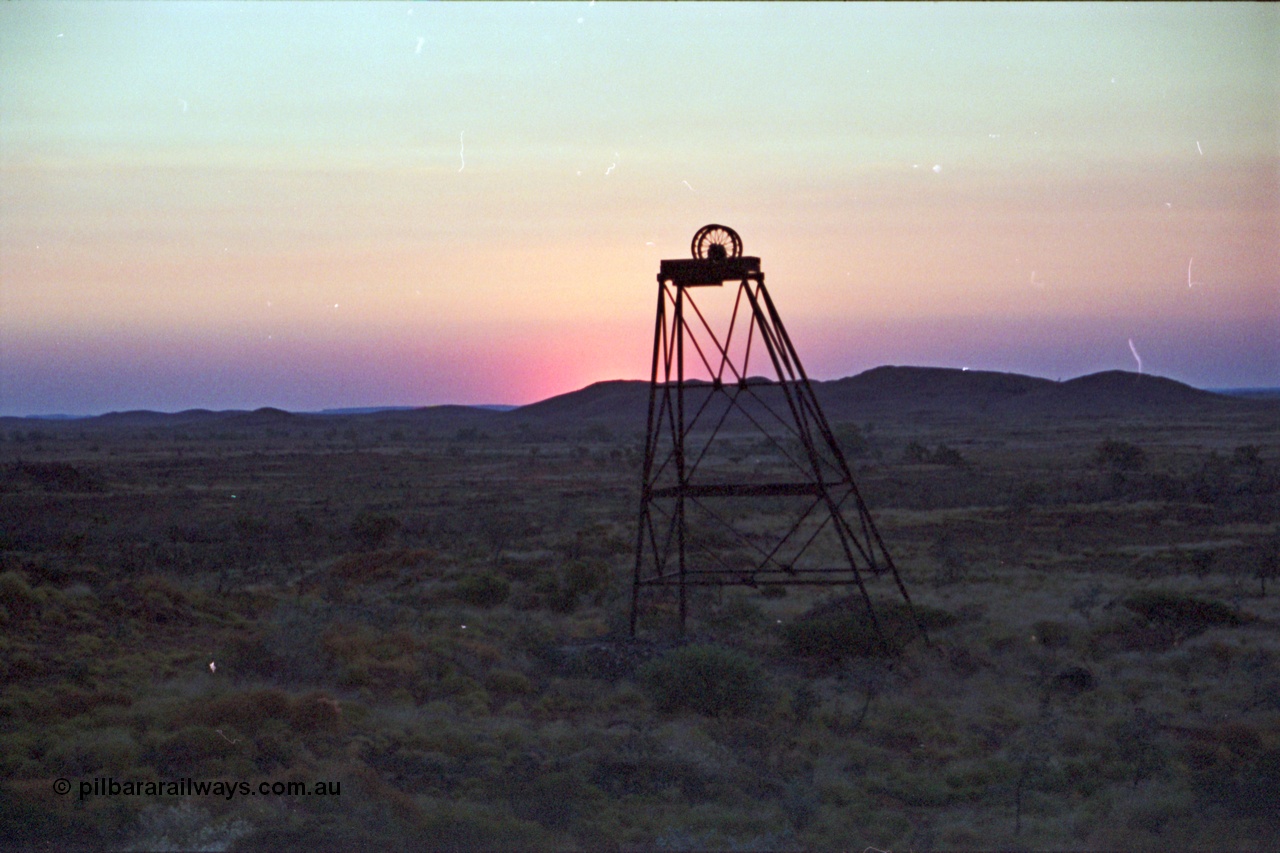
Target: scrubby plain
436,618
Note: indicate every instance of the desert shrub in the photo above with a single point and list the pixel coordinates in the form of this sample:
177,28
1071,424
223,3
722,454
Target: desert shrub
1187,615
915,453
246,711
57,476
1073,681
371,529
355,569
1139,748
1115,455
1051,633
111,750
1246,456
315,712
151,599
19,752
582,577
366,657
291,648
273,749
705,679
843,629
73,702
1264,558
943,455
851,440
918,454
183,752
31,824
18,601
549,590
483,590
23,663
507,682
1235,769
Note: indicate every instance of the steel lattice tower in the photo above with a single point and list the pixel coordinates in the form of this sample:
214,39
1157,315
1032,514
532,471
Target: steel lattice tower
744,482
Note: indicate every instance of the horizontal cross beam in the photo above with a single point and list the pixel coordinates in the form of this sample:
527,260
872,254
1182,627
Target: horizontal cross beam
742,490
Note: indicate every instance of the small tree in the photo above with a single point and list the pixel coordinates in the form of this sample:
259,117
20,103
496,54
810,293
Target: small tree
943,455
1265,557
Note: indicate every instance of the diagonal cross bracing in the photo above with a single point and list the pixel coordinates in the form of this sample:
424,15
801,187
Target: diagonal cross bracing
743,480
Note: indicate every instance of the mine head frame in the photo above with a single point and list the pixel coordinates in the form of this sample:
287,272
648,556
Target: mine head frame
681,488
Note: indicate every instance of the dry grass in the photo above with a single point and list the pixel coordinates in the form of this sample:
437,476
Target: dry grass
1101,673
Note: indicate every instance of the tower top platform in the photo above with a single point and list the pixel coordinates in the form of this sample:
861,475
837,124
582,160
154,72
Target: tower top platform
703,272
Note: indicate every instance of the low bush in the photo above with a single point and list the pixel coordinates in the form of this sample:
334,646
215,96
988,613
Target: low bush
507,682
1051,633
315,712
843,629
371,530
247,711
18,601
582,577
483,590
944,455
1114,455
705,679
1183,613
185,751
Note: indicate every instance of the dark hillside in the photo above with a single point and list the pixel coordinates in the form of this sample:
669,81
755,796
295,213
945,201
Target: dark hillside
616,403
890,393
903,391
1120,393
918,394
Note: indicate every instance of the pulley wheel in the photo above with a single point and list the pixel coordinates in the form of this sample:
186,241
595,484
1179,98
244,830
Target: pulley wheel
716,243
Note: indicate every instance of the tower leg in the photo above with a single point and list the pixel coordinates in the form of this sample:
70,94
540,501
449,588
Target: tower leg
650,442
681,474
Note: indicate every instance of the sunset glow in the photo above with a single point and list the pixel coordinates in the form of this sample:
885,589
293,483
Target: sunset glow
231,205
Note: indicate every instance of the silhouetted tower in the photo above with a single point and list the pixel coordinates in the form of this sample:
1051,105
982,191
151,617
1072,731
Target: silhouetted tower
744,482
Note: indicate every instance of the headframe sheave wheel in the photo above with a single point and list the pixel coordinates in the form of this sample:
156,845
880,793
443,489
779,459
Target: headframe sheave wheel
716,243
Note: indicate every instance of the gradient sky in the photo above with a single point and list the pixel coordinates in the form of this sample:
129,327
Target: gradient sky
233,205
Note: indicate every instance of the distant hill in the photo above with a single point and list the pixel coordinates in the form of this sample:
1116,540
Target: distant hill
623,401
892,393
1121,393
924,391
920,393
